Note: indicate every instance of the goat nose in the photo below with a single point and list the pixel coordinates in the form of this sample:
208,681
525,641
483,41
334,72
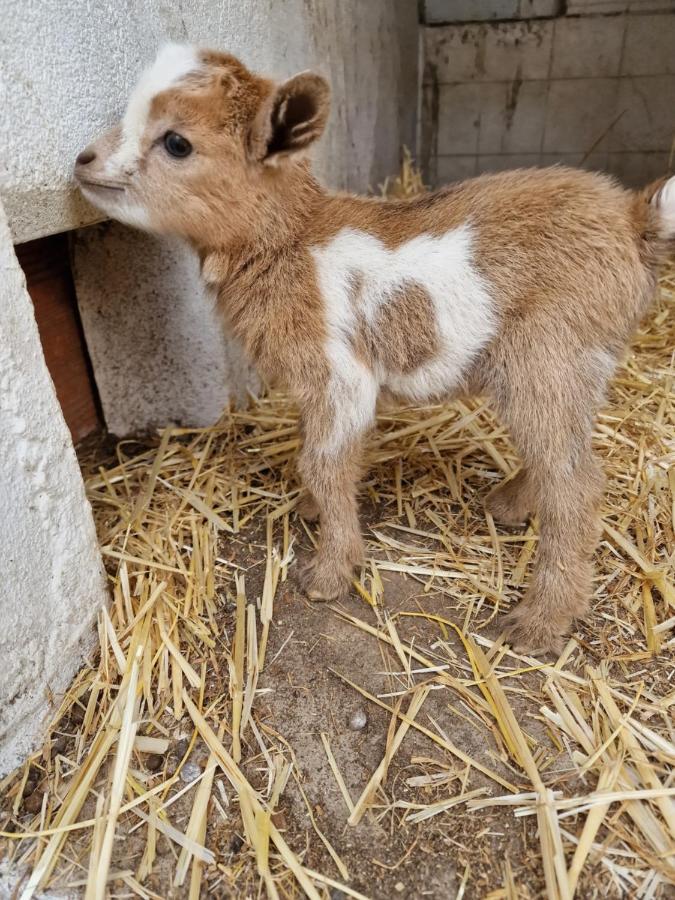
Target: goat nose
86,157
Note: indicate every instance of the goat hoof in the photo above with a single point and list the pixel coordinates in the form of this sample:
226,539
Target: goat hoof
307,508
529,634
324,581
506,507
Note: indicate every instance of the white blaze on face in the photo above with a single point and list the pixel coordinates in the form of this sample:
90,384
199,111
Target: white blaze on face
173,62
465,316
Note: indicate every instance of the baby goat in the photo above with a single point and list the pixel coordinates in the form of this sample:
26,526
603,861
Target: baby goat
524,286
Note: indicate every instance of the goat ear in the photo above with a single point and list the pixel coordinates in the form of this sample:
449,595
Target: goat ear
291,119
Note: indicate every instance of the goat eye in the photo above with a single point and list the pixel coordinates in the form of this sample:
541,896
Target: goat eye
176,145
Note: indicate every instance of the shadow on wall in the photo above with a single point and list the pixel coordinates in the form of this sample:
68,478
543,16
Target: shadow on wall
588,90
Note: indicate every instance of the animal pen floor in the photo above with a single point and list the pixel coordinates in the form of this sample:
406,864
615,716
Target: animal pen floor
210,748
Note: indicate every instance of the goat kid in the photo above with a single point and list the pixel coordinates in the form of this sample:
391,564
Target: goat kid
524,285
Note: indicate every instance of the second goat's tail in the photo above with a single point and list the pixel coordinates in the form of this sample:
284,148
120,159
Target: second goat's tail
661,199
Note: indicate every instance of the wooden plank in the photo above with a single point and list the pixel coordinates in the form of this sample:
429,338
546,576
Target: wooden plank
46,265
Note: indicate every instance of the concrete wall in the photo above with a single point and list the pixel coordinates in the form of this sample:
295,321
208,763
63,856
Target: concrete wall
156,347
592,90
51,580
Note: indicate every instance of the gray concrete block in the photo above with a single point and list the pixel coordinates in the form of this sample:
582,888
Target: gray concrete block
593,162
438,12
512,117
504,161
649,6
595,7
638,169
587,47
459,118
454,168
648,119
75,83
500,52
441,12
154,335
534,9
492,117
580,114
428,133
607,7
650,46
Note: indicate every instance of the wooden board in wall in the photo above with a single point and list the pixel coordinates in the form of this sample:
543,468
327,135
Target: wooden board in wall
46,264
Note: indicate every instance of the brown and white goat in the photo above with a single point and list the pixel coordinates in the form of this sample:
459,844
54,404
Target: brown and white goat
524,285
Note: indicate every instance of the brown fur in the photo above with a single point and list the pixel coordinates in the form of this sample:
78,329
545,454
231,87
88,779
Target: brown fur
402,336
570,258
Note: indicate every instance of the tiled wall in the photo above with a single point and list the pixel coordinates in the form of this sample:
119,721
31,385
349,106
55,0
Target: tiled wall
590,90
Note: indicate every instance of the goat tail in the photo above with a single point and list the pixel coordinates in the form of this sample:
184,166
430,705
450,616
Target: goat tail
659,196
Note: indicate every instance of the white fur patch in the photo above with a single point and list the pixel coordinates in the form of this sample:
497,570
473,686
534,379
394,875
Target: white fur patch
601,366
664,200
173,62
464,311
116,205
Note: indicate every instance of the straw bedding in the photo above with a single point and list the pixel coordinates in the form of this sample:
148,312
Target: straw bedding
201,543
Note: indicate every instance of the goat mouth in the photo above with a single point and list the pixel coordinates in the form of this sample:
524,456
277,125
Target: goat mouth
105,185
